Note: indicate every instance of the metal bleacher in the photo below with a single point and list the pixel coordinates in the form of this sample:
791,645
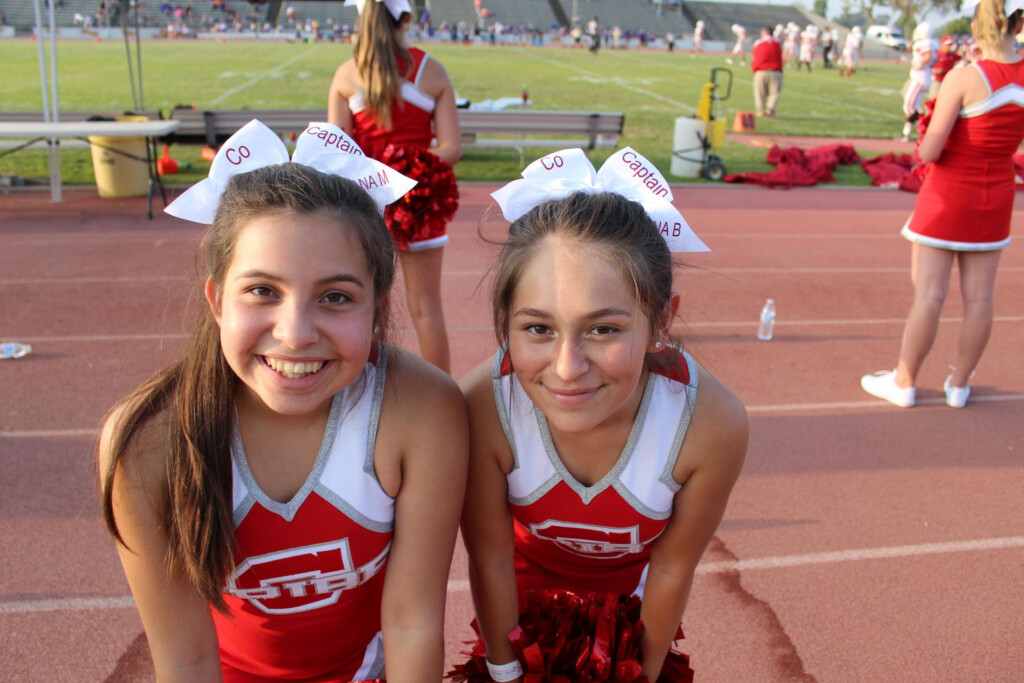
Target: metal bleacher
537,13
324,12
632,14
451,11
720,16
21,15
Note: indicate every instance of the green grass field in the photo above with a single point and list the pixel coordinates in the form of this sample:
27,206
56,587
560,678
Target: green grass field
652,88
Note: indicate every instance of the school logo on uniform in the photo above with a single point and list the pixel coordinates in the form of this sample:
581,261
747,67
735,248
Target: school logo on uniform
589,540
301,579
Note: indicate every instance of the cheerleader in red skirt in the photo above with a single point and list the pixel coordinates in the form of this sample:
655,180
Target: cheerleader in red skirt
394,100
602,454
963,210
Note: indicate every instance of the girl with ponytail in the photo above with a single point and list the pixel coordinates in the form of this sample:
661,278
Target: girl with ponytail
259,487
963,210
394,100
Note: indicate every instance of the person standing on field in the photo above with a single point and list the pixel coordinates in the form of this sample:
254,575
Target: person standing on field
923,56
594,33
766,63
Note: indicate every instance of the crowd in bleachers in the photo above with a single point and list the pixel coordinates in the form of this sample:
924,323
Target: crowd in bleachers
624,23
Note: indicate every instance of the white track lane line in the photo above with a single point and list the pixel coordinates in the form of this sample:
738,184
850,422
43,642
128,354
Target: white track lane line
869,404
686,327
704,568
687,272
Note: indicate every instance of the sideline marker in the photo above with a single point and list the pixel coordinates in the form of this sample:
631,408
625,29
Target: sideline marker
744,122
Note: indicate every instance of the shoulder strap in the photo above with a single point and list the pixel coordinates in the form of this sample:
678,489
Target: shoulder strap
419,71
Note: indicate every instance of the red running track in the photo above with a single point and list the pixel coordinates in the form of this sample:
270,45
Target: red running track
862,542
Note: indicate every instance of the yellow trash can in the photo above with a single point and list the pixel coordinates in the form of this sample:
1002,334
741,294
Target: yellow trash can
118,175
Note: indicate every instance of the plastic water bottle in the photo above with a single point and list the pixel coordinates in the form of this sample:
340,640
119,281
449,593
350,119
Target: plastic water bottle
767,325
14,350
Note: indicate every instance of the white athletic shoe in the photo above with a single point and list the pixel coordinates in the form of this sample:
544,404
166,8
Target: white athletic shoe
956,397
883,385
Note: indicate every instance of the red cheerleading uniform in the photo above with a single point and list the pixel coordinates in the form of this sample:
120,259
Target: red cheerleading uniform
966,200
419,220
592,539
305,595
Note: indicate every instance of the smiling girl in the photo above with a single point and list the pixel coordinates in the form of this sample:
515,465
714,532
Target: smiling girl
259,488
602,456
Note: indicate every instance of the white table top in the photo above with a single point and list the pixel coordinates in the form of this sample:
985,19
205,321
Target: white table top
73,129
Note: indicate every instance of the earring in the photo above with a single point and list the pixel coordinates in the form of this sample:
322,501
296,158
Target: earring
376,330
658,345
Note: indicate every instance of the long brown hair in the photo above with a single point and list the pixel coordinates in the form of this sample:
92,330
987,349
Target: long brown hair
991,25
197,392
379,54
605,219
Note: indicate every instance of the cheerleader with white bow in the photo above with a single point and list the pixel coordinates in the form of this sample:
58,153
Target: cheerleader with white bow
267,491
398,103
602,453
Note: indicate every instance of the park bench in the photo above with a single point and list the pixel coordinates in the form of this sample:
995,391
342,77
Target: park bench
510,129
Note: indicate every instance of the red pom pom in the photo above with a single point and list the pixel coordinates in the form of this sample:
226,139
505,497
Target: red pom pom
563,638
424,212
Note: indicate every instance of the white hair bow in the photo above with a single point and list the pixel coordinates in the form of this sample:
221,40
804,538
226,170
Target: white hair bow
322,146
1009,7
396,7
626,173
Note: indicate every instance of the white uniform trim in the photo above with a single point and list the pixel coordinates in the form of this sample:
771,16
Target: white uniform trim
1007,95
343,473
373,660
951,245
411,93
432,243
643,473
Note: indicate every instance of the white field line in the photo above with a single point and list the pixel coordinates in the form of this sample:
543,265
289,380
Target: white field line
704,568
612,81
252,81
749,82
65,78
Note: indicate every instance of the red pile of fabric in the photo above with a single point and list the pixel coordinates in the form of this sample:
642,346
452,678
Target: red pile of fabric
797,167
901,171
565,638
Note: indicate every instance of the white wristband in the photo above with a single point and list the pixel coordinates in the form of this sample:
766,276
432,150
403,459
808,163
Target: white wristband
500,673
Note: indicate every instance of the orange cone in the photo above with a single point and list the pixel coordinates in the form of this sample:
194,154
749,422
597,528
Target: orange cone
744,122
209,153
165,165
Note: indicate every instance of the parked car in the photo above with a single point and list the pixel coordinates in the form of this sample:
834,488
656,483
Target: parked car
885,35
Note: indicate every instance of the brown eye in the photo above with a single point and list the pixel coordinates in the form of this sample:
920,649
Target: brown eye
336,298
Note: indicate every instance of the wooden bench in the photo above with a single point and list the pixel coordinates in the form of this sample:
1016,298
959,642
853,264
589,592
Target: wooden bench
518,129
